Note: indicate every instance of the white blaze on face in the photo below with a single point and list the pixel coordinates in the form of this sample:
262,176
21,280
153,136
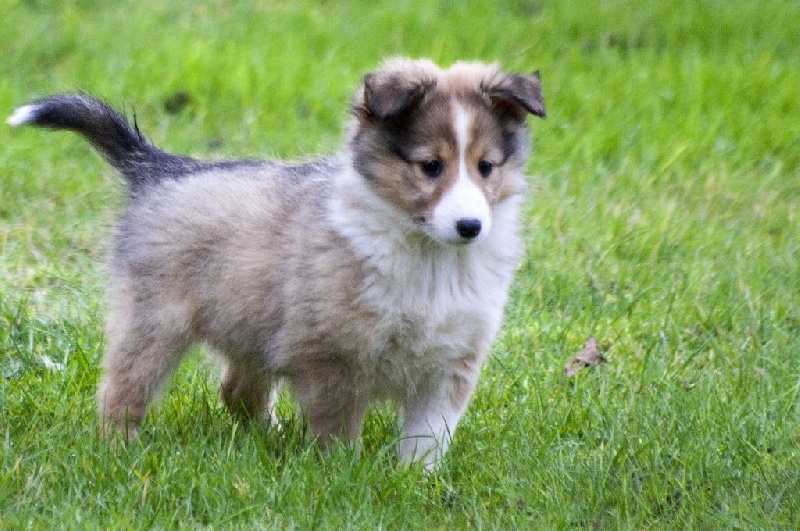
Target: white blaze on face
463,214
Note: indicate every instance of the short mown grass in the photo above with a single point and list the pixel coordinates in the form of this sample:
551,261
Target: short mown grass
663,219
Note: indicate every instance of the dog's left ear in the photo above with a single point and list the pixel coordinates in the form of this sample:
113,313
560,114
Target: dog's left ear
516,94
387,95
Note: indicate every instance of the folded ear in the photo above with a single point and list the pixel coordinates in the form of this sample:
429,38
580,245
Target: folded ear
387,95
516,94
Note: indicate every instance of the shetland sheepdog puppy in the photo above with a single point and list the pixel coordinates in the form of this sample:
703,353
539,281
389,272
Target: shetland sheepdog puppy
377,273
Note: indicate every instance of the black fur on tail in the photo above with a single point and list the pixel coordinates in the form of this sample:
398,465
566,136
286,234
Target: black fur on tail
120,143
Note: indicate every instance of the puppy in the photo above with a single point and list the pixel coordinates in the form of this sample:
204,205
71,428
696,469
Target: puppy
378,273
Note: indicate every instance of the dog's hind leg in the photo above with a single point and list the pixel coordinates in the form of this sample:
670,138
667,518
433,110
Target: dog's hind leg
143,348
331,400
249,393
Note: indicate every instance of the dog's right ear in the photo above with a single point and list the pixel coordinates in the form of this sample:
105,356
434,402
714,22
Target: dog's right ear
389,94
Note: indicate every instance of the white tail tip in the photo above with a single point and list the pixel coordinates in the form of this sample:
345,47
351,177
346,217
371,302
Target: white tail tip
21,115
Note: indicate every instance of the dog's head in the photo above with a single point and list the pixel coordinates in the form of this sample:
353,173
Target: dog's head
444,146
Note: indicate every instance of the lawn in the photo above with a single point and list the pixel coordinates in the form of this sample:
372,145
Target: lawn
663,219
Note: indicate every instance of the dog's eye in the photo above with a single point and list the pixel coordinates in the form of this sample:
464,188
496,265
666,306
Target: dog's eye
485,168
432,168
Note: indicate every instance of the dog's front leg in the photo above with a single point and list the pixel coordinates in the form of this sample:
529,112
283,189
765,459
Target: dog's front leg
430,418
332,401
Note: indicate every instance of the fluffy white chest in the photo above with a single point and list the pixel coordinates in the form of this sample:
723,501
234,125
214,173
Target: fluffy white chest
433,311
435,303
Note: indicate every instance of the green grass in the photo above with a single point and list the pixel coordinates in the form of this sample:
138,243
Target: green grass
664,219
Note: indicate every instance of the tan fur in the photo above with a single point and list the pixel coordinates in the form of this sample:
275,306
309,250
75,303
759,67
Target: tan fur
349,277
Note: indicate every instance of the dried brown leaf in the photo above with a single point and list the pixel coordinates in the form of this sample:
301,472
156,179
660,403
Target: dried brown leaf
589,356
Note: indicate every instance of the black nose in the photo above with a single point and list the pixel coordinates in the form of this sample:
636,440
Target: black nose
468,227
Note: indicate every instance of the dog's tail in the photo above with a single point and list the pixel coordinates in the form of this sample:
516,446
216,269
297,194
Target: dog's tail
119,142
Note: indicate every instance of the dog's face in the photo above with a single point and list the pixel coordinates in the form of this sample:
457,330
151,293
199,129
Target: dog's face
444,146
